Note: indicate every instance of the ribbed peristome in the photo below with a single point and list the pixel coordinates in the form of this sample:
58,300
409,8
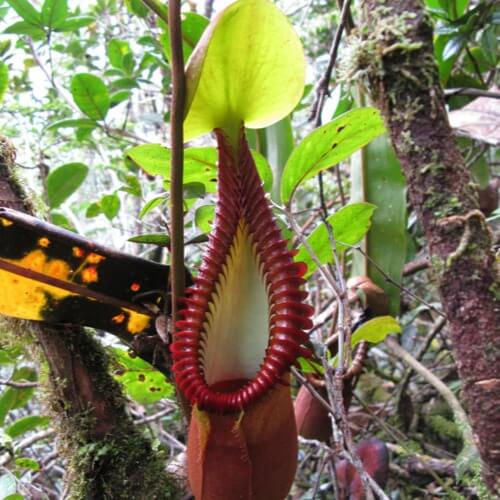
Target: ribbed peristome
244,319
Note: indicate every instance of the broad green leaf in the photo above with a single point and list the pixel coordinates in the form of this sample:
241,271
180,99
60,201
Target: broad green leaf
26,10
199,164
26,424
349,225
376,177
142,382
151,204
204,217
137,8
375,330
160,239
63,181
27,463
310,366
90,95
7,401
275,143
54,12
14,496
193,26
60,219
73,23
328,145
249,66
4,79
24,28
7,485
110,205
119,97
73,123
117,49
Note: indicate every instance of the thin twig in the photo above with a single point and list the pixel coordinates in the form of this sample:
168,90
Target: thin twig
322,89
19,384
472,93
209,7
442,388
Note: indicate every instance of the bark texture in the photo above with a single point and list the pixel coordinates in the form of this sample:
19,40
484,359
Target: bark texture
108,456
395,56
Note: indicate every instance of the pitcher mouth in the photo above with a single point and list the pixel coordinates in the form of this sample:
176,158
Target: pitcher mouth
244,318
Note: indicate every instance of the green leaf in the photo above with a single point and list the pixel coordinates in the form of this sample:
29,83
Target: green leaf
328,145
90,95
276,144
73,123
7,485
376,177
26,10
61,220
54,12
349,225
249,66
24,28
264,170
137,8
309,366
204,217
375,330
142,382
117,49
14,496
119,97
160,239
4,79
7,401
199,164
454,46
151,204
63,181
74,23
27,463
110,205
193,25
26,424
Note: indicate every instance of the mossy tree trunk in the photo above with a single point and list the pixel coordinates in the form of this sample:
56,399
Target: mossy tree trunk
404,83
108,456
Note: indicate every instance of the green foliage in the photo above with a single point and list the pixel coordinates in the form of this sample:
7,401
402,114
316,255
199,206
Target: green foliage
141,381
328,145
348,225
375,330
90,95
199,164
63,181
225,89
4,79
193,25
204,217
25,424
376,177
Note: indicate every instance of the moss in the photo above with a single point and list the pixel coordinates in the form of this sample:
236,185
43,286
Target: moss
121,464
125,467
362,58
110,459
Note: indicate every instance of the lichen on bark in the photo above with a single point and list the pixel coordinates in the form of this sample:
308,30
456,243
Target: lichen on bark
395,59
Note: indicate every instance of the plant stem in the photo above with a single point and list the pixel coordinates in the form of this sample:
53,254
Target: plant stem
177,161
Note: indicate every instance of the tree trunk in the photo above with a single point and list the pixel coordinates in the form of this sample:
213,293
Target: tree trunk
395,52
108,456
